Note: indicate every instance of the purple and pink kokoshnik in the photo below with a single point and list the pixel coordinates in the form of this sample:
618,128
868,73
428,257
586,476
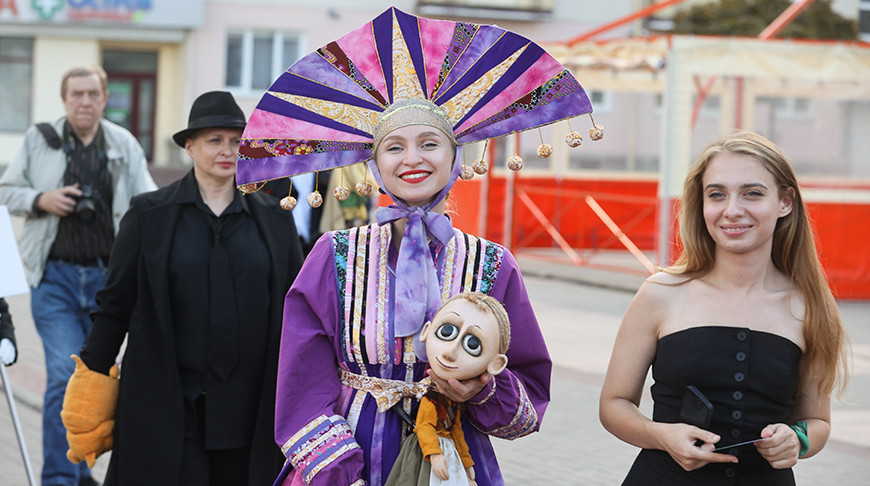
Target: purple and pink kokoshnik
357,71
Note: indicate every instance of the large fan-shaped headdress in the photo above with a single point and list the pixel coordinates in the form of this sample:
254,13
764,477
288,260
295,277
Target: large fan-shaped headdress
478,81
321,113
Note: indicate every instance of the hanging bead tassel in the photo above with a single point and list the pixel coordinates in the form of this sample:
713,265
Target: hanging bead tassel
597,131
315,199
251,188
573,139
545,149
288,202
515,162
341,192
364,188
466,173
480,166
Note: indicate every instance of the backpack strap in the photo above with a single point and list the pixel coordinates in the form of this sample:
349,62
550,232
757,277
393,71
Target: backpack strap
51,136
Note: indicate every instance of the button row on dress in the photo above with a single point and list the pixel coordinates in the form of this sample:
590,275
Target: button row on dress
737,395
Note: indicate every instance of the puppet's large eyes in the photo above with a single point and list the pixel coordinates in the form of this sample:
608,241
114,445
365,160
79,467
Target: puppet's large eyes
472,345
447,332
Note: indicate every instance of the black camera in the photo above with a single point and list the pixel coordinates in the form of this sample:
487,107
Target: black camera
86,206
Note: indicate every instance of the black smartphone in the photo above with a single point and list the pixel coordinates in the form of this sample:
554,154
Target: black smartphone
696,409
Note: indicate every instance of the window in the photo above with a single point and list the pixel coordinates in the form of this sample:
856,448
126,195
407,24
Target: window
864,20
523,10
602,101
16,71
256,58
792,107
709,109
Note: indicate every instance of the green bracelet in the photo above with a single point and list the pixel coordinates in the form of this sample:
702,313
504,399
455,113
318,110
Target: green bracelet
800,428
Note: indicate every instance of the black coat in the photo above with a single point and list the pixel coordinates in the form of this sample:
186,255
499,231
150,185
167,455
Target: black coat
278,188
149,426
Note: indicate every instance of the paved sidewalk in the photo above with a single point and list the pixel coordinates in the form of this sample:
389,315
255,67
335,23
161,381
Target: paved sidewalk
579,322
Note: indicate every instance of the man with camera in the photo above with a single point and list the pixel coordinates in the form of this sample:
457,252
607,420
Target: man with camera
72,180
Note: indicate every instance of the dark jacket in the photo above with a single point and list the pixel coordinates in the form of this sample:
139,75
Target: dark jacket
149,420
279,189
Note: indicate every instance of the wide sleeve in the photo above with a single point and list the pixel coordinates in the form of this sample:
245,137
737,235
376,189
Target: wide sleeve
315,439
115,302
512,404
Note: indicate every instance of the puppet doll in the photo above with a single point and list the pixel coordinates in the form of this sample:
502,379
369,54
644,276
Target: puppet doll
466,338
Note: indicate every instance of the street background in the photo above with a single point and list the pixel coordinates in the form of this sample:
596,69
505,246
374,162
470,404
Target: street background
579,310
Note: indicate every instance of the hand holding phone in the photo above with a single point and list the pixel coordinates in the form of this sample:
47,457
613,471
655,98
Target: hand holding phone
696,410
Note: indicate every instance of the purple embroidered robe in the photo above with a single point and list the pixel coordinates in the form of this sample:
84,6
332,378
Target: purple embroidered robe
339,313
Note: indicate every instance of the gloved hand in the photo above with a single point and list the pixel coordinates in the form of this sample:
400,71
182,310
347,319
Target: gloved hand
89,412
7,351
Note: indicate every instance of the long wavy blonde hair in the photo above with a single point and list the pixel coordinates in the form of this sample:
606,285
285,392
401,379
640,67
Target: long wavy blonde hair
793,252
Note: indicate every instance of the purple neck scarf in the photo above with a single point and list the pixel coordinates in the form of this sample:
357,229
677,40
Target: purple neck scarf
418,294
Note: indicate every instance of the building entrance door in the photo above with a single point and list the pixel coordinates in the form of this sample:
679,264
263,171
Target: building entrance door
132,97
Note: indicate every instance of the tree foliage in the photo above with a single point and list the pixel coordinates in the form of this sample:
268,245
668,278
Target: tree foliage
749,18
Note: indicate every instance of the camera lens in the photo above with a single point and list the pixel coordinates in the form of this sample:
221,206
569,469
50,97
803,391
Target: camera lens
86,210
86,206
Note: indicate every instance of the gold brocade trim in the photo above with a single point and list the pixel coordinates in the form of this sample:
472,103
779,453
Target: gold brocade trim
355,411
385,392
285,448
406,84
457,107
449,270
488,395
360,283
409,355
383,279
353,116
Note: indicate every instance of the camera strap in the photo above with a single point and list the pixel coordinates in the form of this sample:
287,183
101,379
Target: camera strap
85,171
51,136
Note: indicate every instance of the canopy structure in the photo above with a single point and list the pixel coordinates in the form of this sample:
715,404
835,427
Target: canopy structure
745,74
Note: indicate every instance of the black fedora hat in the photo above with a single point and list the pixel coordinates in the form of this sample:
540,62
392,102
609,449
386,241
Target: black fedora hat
215,109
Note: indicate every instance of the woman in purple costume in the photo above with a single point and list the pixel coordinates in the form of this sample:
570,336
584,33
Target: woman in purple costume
344,369
405,93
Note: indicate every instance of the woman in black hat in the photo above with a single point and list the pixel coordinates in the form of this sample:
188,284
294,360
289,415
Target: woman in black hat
195,283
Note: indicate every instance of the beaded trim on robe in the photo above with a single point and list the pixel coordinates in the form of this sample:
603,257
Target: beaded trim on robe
467,263
524,422
318,444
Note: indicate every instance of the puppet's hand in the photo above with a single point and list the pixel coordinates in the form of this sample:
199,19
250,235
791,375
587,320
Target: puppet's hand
88,412
8,352
470,471
460,391
439,466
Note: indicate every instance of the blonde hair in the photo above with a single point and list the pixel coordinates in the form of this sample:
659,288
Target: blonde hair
793,252
80,71
489,304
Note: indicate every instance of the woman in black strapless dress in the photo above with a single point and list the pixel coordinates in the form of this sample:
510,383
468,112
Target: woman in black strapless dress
746,317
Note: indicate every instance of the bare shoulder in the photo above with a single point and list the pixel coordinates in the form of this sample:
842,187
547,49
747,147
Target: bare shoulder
665,287
670,279
658,294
